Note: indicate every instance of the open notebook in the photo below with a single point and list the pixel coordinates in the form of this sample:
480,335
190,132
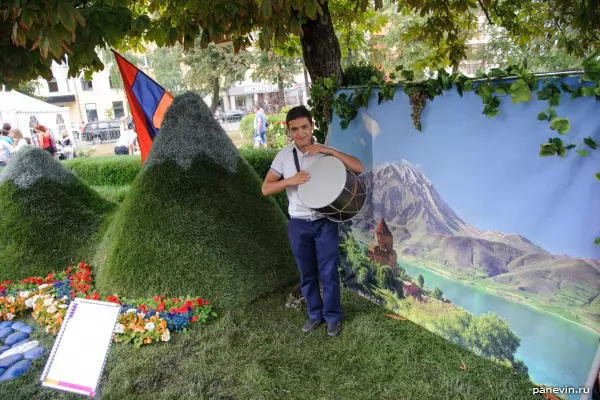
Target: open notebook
79,352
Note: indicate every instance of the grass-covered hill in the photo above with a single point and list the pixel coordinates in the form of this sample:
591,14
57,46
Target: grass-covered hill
257,351
195,220
48,216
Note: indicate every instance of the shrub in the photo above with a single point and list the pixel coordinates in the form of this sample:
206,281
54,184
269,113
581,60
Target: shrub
48,217
195,221
106,171
360,74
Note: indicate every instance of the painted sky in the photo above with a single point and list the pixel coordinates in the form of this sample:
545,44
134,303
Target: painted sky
488,169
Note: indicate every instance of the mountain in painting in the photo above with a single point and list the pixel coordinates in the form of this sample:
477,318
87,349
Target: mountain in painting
427,228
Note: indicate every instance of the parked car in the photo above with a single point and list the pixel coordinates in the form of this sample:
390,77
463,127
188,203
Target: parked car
231,116
102,131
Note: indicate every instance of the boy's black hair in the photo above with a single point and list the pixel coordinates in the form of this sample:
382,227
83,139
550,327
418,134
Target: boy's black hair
298,112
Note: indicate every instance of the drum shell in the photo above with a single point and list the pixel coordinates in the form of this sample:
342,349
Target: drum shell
350,201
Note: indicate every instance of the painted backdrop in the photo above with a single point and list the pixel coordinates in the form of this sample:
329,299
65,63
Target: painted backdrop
471,234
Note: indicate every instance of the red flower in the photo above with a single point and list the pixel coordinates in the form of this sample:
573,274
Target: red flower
158,298
175,300
143,308
68,270
113,299
72,293
49,278
201,302
195,318
161,306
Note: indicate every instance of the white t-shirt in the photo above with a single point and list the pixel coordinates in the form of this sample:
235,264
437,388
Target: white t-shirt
126,138
284,165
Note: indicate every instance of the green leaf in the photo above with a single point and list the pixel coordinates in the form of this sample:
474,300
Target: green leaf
267,9
485,92
571,146
551,113
468,85
408,75
590,143
311,9
26,18
582,153
554,101
542,116
66,12
597,176
520,91
597,241
547,150
561,125
588,91
566,88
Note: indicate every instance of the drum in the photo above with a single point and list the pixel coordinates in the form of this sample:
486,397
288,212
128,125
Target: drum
333,190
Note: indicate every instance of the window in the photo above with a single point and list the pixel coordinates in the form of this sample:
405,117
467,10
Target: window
144,62
53,86
60,123
67,85
118,109
33,121
86,86
240,102
91,112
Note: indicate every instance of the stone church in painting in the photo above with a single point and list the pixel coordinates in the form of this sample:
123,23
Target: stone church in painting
383,252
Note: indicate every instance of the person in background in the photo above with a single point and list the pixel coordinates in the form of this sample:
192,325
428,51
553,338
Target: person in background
4,134
19,140
6,150
44,139
68,145
125,145
260,128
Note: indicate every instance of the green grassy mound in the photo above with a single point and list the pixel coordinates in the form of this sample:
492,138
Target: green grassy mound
48,217
257,351
195,221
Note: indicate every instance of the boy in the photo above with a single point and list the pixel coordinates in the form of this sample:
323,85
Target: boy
313,238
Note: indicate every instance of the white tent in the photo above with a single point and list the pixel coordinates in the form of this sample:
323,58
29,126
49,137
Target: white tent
24,112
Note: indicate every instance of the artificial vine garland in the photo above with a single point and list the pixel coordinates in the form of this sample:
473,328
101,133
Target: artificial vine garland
323,101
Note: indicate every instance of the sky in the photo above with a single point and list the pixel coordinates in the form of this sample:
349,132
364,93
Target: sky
488,169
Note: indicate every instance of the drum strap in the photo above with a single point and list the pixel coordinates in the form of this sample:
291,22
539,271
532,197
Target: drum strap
296,160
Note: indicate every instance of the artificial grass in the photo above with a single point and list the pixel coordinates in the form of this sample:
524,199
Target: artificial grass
46,223
195,221
257,351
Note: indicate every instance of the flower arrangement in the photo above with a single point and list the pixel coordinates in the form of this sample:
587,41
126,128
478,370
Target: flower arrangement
141,322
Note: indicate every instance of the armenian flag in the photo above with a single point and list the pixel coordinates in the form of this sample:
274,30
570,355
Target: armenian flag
148,102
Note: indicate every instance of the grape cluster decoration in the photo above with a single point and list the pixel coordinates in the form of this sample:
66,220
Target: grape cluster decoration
417,100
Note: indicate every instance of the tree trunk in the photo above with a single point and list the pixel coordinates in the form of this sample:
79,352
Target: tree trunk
215,95
281,92
320,47
349,59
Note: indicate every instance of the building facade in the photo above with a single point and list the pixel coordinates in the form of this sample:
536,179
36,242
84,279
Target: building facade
87,101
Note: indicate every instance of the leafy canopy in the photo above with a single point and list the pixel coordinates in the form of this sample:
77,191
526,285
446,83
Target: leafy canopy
34,33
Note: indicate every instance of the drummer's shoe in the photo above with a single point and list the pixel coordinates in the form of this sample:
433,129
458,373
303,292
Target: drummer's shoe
311,324
334,328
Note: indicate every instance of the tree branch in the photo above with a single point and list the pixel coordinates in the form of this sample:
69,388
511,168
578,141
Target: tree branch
487,15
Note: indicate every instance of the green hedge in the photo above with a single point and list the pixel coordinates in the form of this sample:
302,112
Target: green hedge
106,171
121,171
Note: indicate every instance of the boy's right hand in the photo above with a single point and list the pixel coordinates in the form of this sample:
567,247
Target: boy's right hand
300,178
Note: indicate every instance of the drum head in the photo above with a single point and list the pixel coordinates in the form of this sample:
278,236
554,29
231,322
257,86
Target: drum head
326,182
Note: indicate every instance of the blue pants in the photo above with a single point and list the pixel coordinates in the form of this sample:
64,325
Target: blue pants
315,247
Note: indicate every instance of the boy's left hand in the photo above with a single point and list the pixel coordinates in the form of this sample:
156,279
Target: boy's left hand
318,148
